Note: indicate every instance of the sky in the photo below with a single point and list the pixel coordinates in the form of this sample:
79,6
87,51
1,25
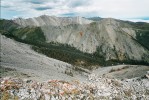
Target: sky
134,10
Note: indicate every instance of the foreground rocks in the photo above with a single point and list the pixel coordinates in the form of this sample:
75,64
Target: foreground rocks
94,89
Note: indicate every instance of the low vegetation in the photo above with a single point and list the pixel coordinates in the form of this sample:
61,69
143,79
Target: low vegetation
143,37
142,30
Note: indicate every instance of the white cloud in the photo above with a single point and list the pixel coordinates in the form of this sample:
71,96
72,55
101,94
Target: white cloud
104,8
136,20
117,8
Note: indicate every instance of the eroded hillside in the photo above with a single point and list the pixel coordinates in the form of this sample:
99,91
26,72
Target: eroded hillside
107,41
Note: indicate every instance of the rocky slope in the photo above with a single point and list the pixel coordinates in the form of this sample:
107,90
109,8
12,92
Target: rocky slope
23,59
113,39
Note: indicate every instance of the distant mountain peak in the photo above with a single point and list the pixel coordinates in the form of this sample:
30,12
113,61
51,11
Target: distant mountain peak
51,20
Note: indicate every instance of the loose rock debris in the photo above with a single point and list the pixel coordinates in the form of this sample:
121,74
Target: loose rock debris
95,88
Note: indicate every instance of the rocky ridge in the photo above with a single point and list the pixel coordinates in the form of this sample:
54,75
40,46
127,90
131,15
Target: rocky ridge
45,20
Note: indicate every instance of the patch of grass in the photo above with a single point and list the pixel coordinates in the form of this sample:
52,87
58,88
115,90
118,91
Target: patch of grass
143,37
30,34
8,27
142,32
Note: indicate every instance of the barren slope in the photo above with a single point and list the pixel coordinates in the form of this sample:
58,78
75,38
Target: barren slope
39,67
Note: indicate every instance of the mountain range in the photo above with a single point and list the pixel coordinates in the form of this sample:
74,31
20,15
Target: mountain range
83,41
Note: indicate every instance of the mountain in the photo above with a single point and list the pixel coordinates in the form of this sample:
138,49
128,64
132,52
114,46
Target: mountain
111,38
51,20
86,41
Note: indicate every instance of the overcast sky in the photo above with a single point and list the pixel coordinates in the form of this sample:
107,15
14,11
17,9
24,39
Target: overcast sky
136,10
